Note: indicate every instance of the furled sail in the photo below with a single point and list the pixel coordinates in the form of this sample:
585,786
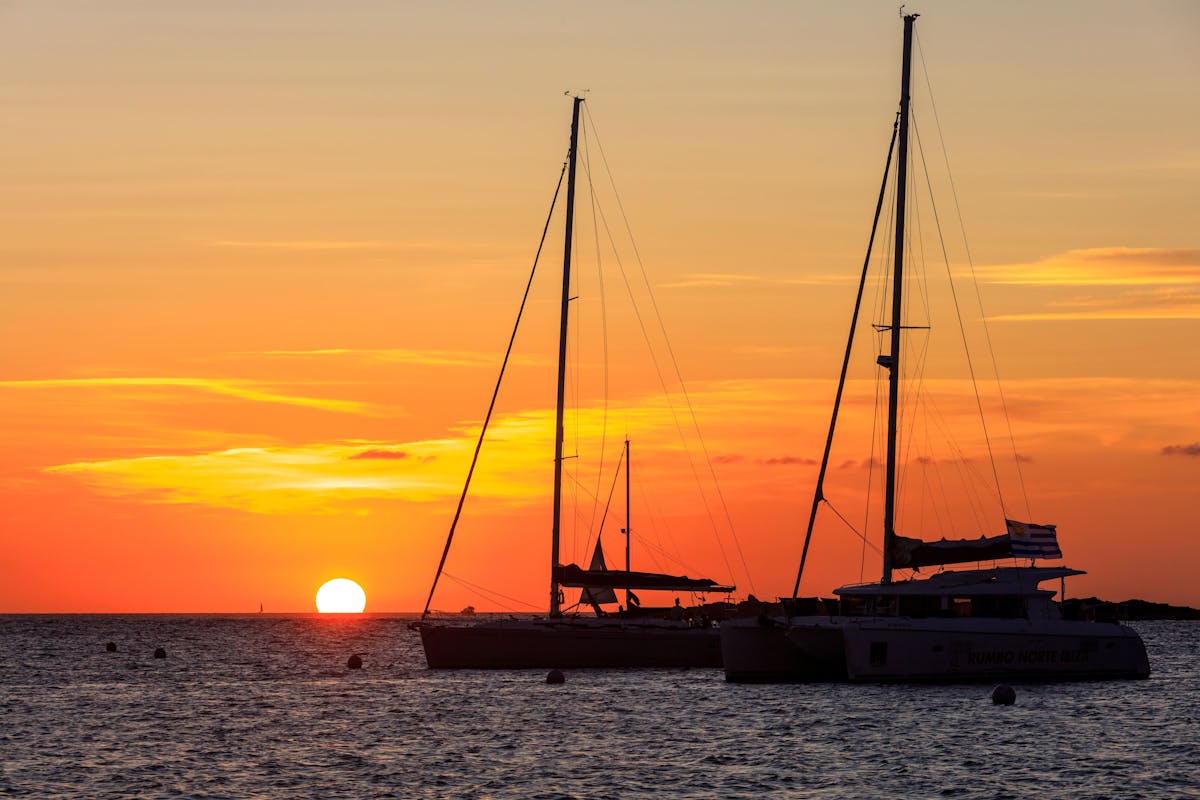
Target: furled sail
910,553
1023,540
574,576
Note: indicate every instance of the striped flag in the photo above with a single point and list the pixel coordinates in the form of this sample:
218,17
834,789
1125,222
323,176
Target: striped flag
1033,541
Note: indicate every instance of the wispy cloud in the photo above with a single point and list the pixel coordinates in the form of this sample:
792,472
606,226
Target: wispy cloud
1102,266
1161,303
1122,283
444,358
1182,449
309,478
788,461
308,245
253,391
338,245
378,454
697,280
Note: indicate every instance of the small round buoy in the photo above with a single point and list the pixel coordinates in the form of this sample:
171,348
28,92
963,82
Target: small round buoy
1004,695
111,647
555,677
159,653
354,662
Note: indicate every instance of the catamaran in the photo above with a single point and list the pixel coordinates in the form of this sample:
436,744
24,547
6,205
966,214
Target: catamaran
559,639
966,624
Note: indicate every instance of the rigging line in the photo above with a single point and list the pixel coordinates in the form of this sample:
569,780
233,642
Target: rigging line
587,171
853,530
675,363
490,594
907,417
818,491
495,394
611,490
968,477
921,358
987,334
651,513
596,502
680,563
576,369
874,440
884,267
671,406
961,327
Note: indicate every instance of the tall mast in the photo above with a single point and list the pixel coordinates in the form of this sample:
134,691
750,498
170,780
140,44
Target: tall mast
892,360
628,530
562,360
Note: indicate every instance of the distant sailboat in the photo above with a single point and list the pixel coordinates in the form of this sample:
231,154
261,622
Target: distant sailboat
970,624
561,640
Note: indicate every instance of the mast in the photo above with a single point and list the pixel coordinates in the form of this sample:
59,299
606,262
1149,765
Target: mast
556,530
628,530
892,361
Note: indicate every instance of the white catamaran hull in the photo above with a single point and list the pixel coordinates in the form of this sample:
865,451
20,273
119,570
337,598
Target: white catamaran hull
952,649
890,649
569,643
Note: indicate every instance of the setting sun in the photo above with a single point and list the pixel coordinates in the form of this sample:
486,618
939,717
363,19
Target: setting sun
341,596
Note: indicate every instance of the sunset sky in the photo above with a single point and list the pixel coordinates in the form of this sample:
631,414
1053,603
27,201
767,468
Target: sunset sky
261,261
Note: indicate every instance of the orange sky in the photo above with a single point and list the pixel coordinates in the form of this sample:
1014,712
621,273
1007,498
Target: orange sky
260,265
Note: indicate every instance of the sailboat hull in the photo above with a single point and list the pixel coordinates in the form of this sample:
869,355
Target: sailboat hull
778,650
569,643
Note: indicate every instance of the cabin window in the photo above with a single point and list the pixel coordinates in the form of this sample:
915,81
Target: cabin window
855,606
918,606
961,606
878,654
1000,607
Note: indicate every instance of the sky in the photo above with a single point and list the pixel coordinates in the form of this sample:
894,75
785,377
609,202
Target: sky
260,262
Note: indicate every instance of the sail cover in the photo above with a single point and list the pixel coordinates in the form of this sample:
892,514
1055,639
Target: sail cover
599,594
574,576
1023,540
914,553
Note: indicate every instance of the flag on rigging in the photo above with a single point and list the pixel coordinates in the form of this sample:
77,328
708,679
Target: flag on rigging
1033,541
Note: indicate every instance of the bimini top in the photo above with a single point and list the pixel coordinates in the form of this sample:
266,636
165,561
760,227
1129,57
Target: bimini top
999,581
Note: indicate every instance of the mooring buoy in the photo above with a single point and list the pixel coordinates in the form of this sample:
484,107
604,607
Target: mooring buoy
354,662
160,653
1004,695
555,677
111,647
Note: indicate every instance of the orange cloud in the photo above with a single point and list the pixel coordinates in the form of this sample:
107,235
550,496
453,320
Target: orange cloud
1124,283
241,389
1102,266
699,280
445,358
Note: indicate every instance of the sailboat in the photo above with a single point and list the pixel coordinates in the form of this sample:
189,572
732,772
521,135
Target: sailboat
559,639
964,624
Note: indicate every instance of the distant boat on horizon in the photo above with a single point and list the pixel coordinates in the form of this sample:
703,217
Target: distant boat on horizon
970,624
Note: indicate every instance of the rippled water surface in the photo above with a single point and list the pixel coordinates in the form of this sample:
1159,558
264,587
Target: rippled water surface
264,707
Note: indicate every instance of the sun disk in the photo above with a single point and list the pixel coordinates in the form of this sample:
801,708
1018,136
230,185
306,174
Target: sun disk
341,596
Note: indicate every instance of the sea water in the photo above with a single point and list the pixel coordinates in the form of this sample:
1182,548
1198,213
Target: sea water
265,706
